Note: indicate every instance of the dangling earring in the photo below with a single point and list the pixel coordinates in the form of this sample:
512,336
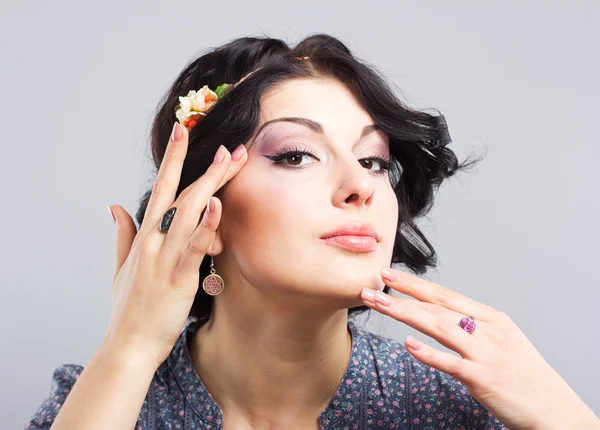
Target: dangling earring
213,284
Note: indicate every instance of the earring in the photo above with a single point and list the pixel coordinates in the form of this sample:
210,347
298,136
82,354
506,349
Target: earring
213,284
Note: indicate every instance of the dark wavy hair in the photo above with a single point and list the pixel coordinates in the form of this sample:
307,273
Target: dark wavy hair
417,140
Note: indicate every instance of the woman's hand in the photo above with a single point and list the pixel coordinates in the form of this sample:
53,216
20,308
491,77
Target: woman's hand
157,274
499,366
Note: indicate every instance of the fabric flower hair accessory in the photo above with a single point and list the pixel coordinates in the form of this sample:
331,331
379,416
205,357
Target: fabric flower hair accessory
196,104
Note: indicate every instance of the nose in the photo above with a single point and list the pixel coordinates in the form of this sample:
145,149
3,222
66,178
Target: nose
355,187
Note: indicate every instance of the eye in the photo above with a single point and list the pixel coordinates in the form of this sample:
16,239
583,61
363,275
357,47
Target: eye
288,158
293,159
384,165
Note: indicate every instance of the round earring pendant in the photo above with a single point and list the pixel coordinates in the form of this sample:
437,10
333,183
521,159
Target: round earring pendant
213,284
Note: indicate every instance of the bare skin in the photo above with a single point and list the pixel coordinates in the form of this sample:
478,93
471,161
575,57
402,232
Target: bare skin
277,345
297,367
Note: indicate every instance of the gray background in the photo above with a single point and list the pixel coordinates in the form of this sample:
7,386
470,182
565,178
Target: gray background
79,83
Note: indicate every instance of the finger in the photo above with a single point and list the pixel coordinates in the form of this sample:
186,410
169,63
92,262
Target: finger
238,158
165,187
435,321
191,206
234,167
431,292
447,363
198,245
126,232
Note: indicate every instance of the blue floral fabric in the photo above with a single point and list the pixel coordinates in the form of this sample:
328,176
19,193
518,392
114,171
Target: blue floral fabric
384,387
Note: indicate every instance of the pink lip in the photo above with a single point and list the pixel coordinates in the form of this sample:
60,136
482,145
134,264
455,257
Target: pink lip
353,243
353,236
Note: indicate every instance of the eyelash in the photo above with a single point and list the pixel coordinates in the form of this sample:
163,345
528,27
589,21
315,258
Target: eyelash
281,155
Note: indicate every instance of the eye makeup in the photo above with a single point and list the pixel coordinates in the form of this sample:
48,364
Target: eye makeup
283,155
276,145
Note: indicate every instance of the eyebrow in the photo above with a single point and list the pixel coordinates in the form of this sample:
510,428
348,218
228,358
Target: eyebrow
315,126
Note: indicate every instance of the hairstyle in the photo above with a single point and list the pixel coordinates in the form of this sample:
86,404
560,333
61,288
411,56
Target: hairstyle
420,160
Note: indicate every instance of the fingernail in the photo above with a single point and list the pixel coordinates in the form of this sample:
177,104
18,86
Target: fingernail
238,153
384,299
220,155
210,208
177,132
388,274
211,205
368,294
112,215
413,343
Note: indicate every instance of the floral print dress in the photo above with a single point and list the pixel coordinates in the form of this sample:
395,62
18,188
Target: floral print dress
384,387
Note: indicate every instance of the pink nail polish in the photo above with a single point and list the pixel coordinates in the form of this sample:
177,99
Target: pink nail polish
177,132
220,154
388,274
413,343
368,294
384,299
112,215
238,153
210,206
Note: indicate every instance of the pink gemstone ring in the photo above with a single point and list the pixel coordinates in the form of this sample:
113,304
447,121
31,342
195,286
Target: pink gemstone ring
468,324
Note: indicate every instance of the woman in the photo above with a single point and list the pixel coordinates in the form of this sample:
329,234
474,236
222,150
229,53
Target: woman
327,174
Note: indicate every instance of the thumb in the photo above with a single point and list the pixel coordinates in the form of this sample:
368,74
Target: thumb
126,231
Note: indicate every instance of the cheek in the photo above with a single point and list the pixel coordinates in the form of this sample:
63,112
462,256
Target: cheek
391,213
260,212
266,225
391,208
386,218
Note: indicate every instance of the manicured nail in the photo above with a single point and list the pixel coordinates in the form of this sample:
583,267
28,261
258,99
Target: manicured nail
383,298
220,155
211,205
413,343
238,153
388,274
368,294
177,132
210,208
112,215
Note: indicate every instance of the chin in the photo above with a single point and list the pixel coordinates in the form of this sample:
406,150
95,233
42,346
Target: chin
359,277
349,288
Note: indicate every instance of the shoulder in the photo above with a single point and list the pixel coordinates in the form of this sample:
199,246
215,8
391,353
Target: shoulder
414,393
62,381
65,376
385,356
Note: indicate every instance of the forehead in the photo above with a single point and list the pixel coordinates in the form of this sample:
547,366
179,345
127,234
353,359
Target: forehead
324,100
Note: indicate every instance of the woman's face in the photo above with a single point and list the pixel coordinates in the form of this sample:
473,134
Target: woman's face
275,212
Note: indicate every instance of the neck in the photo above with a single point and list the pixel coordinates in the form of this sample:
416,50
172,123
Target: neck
271,362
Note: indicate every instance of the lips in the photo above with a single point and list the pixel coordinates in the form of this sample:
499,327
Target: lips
354,236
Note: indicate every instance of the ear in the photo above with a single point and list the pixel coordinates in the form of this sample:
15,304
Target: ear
217,246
